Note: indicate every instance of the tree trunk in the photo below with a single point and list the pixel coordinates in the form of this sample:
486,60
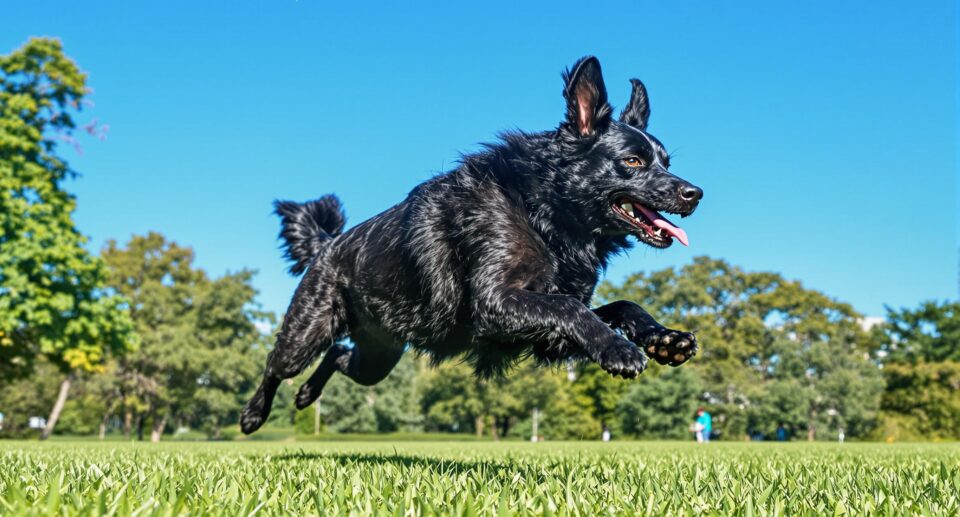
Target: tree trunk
494,430
57,407
141,423
103,425
158,426
478,423
127,423
505,428
811,426
534,435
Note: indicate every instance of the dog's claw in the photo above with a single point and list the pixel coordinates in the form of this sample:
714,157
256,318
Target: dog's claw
623,359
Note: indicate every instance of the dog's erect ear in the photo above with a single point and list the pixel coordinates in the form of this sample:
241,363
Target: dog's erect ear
637,111
587,109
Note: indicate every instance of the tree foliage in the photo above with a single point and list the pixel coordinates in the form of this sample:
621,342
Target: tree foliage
660,406
929,333
758,330
601,393
200,349
53,296
773,354
921,353
922,400
454,399
388,406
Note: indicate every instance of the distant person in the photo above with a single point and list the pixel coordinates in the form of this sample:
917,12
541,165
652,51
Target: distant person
697,429
703,426
841,436
606,434
781,432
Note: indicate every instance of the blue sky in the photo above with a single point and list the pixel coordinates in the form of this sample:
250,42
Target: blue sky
824,134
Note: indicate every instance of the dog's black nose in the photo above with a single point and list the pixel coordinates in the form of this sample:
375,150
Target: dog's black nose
690,194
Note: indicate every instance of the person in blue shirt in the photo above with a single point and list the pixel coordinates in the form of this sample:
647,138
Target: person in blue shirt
703,425
781,432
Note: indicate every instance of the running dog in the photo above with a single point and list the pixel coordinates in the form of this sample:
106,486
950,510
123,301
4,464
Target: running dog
491,262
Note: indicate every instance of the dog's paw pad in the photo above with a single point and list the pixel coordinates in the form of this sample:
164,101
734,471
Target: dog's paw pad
671,347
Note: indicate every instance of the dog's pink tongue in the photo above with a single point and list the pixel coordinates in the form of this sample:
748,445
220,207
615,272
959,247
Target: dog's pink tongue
660,222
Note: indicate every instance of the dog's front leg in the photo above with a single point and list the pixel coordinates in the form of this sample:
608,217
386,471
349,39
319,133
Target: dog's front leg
557,319
666,346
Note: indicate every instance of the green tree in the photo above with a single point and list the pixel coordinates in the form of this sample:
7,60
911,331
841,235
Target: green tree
454,399
755,328
922,401
200,350
388,406
660,406
396,403
230,350
564,418
53,301
930,332
783,402
449,398
347,407
920,349
25,397
601,392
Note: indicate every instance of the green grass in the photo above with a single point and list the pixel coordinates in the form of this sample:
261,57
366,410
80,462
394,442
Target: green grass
464,478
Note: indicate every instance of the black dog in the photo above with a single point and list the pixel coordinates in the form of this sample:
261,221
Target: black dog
493,261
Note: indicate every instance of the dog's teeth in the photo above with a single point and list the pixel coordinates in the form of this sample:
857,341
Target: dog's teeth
628,208
659,232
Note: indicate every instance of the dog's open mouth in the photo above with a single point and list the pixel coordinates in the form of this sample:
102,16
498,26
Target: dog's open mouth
654,229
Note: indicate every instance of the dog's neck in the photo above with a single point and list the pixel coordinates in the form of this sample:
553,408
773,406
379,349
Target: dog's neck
527,167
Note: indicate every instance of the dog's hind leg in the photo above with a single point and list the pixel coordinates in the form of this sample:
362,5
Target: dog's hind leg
332,362
256,411
369,361
312,323
279,366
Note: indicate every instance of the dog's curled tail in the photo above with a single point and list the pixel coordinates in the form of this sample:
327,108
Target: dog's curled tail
307,227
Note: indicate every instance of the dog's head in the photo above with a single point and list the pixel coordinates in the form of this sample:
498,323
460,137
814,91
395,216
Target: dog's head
619,172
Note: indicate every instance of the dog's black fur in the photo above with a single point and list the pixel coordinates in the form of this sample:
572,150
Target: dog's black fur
493,261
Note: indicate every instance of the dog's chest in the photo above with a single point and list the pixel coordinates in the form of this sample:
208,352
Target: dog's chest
575,275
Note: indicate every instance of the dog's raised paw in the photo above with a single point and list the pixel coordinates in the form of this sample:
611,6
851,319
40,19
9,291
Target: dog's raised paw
624,360
671,347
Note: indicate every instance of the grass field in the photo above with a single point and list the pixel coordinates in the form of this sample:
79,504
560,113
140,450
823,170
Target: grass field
463,478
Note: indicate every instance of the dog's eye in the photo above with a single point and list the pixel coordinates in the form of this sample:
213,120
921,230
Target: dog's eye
633,161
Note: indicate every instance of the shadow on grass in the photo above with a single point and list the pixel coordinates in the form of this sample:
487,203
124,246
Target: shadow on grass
440,465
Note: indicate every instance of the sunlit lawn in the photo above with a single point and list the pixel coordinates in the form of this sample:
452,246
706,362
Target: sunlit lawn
464,478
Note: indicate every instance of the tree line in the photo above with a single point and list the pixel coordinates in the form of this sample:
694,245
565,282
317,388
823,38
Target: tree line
138,340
